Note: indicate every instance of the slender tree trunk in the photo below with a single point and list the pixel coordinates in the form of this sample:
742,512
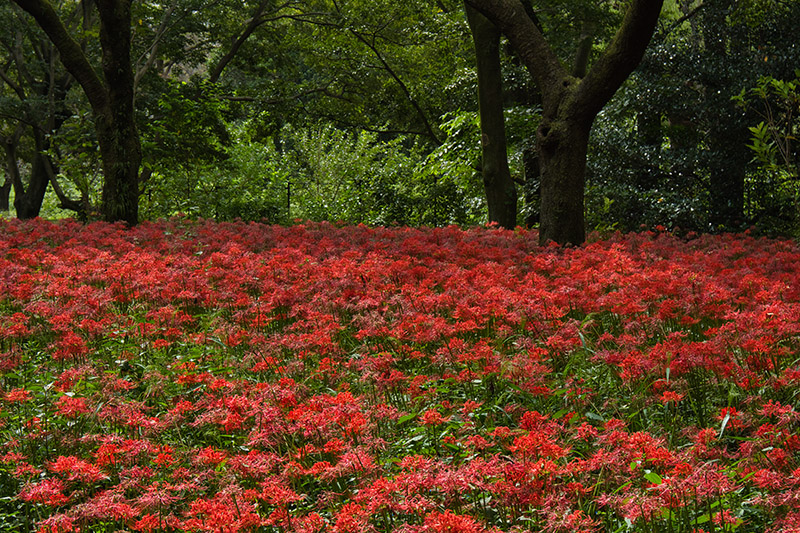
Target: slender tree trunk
499,187
5,195
728,174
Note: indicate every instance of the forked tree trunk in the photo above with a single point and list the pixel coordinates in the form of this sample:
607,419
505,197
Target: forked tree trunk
111,98
29,205
570,104
499,187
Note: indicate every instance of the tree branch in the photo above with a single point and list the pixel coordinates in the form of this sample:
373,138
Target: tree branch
619,59
539,58
254,22
403,86
153,50
70,51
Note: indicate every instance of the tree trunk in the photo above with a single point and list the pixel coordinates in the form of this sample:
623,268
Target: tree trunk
499,187
727,180
111,98
29,205
562,157
728,172
27,200
121,158
5,194
120,148
570,104
533,176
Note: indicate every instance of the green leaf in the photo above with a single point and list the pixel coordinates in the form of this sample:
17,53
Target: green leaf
653,478
595,416
405,418
724,424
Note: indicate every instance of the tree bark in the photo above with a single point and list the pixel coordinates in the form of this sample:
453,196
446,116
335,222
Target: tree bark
5,195
570,104
110,97
120,148
27,200
499,187
29,205
252,25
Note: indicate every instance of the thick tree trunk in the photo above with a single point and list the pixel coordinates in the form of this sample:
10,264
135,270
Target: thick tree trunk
562,158
120,148
499,187
121,157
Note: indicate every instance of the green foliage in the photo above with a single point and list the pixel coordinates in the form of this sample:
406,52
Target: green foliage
774,143
185,123
317,173
671,148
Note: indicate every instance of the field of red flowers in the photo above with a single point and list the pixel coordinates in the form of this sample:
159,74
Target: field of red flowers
194,376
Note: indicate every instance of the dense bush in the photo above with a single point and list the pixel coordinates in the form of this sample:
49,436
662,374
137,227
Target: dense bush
321,173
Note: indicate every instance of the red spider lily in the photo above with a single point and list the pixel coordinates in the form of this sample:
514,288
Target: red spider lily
432,417
671,396
72,406
449,522
59,523
246,376
48,492
73,468
17,396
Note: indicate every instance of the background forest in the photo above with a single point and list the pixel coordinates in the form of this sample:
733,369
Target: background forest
367,111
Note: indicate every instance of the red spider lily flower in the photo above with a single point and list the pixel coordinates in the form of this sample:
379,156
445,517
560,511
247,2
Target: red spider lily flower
47,492
670,396
18,395
69,377
537,445
107,454
148,523
75,469
432,417
164,459
449,522
26,470
350,519
311,523
210,456
69,346
222,513
59,523
470,407
72,406
107,505
9,360
161,344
